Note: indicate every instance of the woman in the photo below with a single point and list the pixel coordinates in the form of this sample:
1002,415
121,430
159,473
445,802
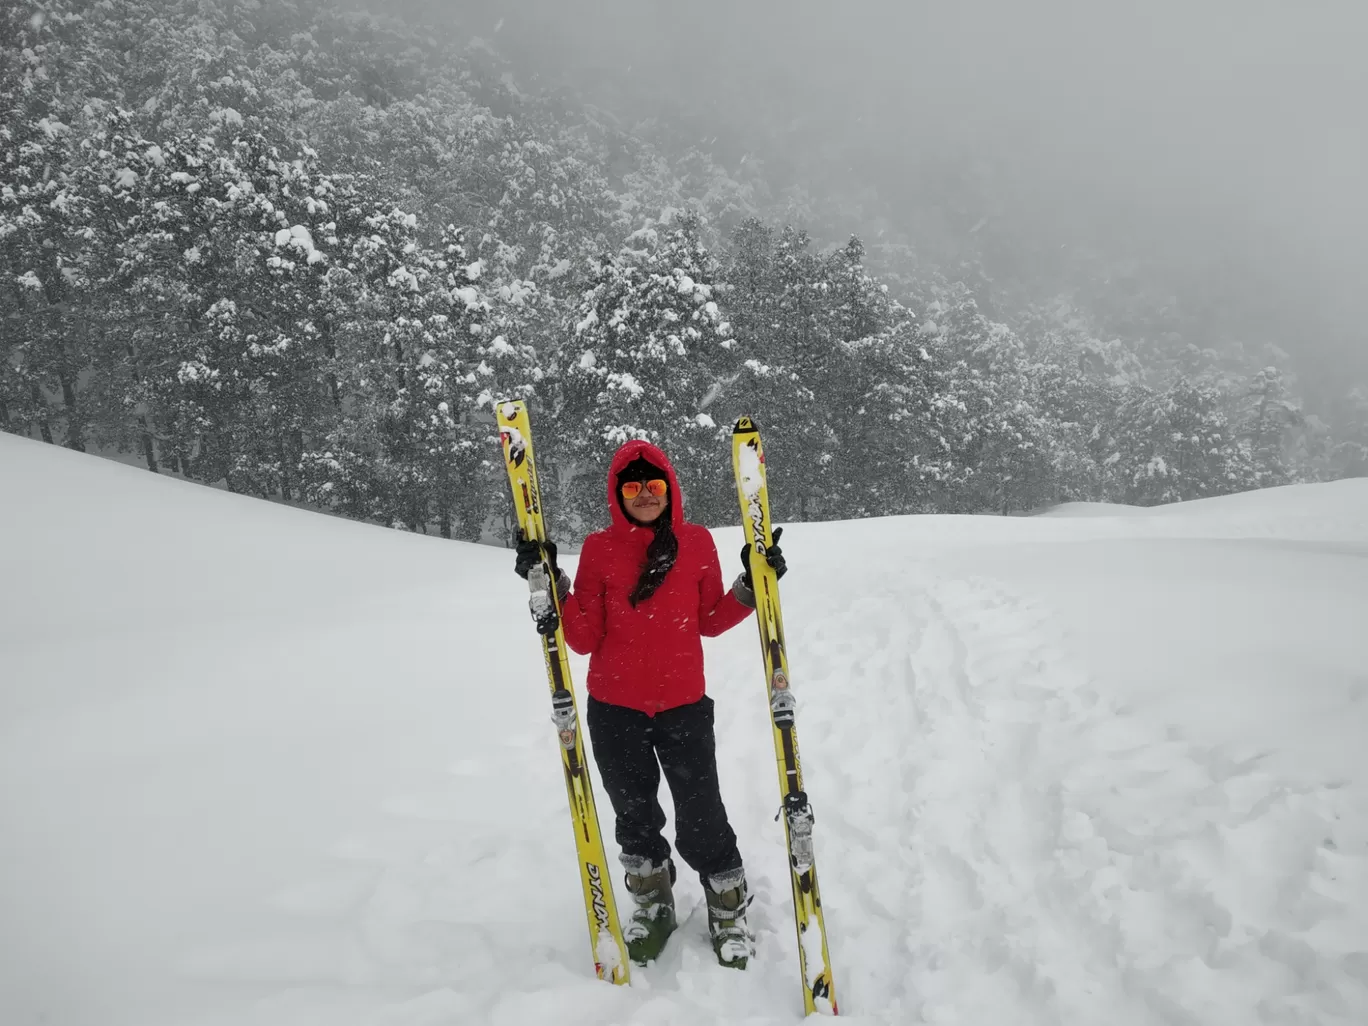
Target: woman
647,590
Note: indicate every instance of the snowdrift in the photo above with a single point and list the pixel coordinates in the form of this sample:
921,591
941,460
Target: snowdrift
264,766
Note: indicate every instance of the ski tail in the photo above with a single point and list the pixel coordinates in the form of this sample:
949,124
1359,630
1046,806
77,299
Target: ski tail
605,933
814,960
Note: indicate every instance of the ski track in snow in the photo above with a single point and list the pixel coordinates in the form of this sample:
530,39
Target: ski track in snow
997,844
1070,865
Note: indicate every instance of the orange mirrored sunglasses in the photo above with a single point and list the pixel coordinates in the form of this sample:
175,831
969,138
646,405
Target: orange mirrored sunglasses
657,486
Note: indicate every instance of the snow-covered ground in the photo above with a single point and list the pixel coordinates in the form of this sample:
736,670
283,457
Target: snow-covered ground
261,766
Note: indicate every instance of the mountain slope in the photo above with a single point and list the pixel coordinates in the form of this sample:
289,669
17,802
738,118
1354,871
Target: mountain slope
259,765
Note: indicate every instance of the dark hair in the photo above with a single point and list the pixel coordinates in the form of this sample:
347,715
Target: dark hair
664,547
660,556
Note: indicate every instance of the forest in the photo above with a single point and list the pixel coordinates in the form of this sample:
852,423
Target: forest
299,251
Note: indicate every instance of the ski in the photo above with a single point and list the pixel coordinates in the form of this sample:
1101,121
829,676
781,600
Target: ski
605,935
814,961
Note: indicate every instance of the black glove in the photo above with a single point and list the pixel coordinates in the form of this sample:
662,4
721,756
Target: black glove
774,556
530,554
529,557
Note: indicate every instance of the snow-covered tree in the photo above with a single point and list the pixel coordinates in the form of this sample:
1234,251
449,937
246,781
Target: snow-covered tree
1267,414
1176,445
222,280
1003,440
803,317
418,365
49,247
767,276
897,434
649,346
1350,452
222,247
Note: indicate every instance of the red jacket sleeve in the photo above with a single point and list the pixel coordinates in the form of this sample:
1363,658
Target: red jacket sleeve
582,613
718,609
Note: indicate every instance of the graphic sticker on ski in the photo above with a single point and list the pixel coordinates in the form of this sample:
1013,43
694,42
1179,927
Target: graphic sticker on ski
814,961
605,935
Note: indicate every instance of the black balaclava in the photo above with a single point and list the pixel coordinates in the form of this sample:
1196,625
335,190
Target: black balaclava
664,547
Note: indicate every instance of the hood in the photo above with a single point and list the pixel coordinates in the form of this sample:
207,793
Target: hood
626,453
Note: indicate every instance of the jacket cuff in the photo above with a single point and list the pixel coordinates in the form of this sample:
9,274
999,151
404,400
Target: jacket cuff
562,584
743,594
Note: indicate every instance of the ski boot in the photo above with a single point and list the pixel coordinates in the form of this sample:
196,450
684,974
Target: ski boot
727,900
653,919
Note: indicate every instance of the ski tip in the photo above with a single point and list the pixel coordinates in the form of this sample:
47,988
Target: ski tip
744,425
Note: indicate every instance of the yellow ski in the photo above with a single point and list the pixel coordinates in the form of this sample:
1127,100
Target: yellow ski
814,961
605,936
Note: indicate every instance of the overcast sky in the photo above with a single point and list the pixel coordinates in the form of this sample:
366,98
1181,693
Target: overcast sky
1219,131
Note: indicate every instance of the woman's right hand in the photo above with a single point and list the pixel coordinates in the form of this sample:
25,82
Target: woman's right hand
530,554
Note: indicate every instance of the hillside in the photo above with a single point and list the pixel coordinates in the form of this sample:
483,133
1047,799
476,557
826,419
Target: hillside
263,766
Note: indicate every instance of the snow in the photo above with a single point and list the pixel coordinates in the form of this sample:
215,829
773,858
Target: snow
53,128
469,295
402,278
195,372
627,383
751,471
609,954
264,766
300,238
811,940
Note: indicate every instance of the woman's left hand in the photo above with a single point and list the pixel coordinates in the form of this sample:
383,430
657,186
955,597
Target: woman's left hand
774,555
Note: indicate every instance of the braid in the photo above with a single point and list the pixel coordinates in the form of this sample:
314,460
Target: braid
660,556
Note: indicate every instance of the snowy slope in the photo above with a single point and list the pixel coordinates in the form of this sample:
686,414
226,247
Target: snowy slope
262,766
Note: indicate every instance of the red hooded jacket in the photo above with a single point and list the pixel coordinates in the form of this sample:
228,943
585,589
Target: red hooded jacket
650,657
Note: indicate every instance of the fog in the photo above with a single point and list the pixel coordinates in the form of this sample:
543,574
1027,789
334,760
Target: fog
1226,138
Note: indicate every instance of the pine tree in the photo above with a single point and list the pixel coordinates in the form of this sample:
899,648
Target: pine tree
899,449
48,248
1350,453
649,344
1268,413
417,368
224,276
804,319
1077,382
1004,442
768,279
1176,445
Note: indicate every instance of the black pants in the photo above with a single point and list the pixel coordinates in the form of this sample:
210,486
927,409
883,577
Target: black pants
630,750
